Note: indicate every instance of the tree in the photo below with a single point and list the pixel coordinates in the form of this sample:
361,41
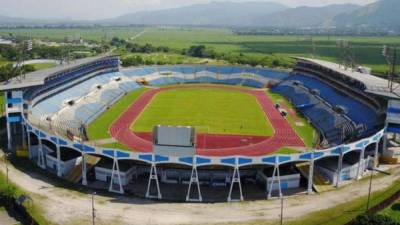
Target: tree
133,61
197,51
374,220
8,71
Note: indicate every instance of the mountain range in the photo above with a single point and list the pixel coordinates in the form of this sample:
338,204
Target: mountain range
383,13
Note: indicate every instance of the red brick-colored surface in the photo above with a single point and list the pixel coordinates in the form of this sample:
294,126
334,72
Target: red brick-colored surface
207,144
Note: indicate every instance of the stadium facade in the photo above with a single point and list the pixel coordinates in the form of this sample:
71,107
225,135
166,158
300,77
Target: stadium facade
47,112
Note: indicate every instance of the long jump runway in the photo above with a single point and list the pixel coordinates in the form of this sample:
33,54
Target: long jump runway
213,145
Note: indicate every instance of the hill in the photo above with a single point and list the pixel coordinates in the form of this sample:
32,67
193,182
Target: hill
384,13
211,14
306,16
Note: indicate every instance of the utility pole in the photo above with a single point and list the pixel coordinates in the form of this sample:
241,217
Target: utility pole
281,210
346,57
6,162
390,54
370,188
93,209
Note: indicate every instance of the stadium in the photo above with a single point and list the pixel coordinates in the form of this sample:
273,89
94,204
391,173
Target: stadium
202,132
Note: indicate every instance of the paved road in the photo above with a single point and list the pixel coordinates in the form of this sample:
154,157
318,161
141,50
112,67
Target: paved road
5,219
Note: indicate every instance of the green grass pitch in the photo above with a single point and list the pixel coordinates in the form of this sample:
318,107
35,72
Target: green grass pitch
213,111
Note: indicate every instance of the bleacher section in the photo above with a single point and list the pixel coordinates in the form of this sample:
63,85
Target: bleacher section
63,77
339,117
69,105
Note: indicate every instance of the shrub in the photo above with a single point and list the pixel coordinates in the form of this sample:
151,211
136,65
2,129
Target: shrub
374,220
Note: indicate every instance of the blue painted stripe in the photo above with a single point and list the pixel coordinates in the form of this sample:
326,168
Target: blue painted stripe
201,160
393,110
318,155
53,139
362,144
62,142
146,157
14,100
284,158
337,151
231,161
306,156
393,130
87,148
160,158
122,154
244,161
376,137
284,185
109,153
271,159
77,146
42,135
14,119
188,160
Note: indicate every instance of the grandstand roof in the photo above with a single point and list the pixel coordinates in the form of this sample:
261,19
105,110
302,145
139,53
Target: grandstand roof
374,85
38,77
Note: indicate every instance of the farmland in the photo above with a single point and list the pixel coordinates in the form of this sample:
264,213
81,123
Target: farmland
367,50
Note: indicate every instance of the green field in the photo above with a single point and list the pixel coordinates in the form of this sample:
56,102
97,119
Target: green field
59,34
98,129
367,50
41,66
171,58
213,111
393,211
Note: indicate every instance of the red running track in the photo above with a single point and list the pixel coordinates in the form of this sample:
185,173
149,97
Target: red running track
284,134
217,141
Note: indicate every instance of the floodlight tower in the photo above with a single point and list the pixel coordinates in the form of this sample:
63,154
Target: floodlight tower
390,54
345,53
25,46
314,47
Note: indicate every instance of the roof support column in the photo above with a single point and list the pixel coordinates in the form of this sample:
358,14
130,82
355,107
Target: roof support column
235,179
339,169
59,159
41,162
194,178
361,162
115,170
153,176
311,175
271,184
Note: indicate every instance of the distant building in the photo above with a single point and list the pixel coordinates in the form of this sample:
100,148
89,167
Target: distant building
5,42
76,39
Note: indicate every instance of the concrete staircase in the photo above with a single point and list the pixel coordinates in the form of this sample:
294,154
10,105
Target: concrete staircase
320,183
75,175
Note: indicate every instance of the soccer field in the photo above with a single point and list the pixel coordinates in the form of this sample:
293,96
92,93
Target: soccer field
213,111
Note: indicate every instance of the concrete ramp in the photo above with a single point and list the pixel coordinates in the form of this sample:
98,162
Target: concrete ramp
320,183
75,175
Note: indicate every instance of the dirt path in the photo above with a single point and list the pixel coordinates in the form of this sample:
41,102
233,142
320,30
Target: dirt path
64,206
6,219
138,35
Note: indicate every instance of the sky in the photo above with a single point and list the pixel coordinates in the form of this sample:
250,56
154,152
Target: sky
99,9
